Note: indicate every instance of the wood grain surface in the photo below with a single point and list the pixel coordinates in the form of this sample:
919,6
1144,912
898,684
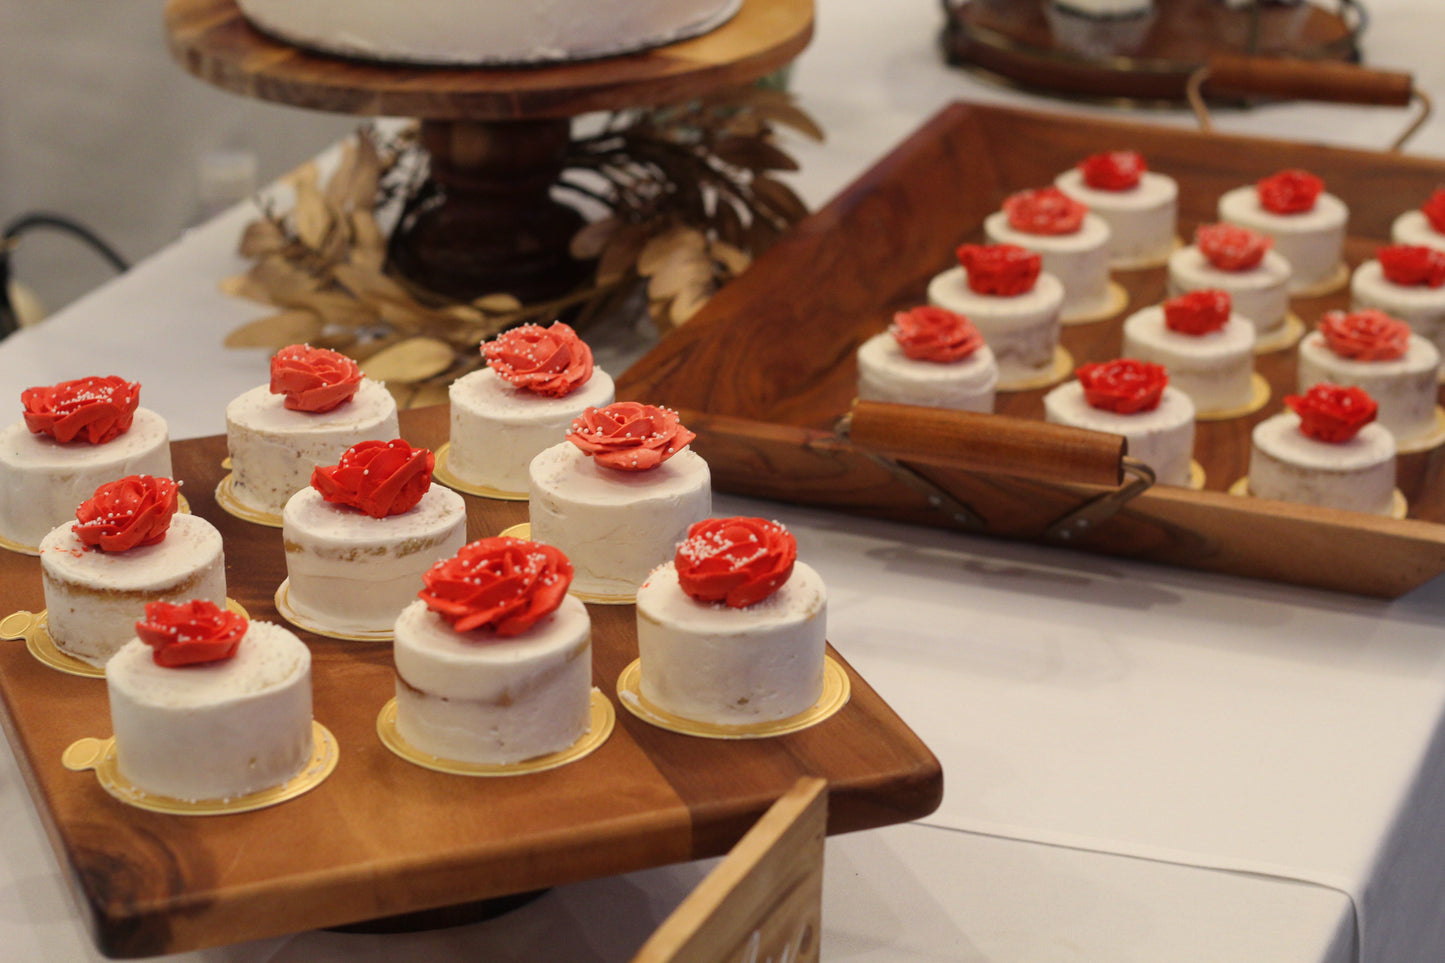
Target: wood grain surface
383,837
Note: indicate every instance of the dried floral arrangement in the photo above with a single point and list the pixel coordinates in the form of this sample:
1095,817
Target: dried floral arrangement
688,196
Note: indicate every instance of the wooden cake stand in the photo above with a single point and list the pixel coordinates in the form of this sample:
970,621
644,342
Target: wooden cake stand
496,136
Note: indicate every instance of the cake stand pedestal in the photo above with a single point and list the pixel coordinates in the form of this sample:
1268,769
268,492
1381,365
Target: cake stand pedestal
497,136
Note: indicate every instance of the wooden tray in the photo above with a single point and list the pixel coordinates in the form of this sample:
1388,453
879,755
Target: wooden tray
766,370
381,836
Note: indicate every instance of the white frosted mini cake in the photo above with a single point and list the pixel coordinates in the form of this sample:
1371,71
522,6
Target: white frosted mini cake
1131,398
1307,224
538,381
484,676
316,406
1206,348
75,436
1325,453
218,728
929,356
94,594
360,537
1424,226
1238,261
1406,282
1139,205
733,630
618,495
1073,243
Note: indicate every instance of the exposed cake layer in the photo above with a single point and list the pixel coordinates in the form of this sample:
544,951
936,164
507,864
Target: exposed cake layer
483,698
1311,241
1405,388
42,481
1022,330
732,666
94,598
1413,227
1420,306
1213,369
219,730
1141,219
885,373
1080,261
1358,475
1163,438
1260,294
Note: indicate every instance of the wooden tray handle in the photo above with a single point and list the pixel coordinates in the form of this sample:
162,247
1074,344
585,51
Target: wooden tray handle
1299,79
994,444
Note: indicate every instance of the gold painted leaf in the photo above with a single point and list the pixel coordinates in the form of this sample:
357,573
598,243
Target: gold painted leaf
409,360
620,254
370,285
731,257
790,115
369,244
262,237
678,243
277,330
780,197
589,242
497,303
688,302
244,286
679,275
310,215
753,154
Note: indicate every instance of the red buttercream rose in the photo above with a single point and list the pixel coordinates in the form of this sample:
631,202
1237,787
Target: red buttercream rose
740,561
1289,191
313,379
95,410
1434,210
630,436
1044,210
380,478
1115,170
1230,247
502,584
190,633
1332,413
130,511
930,333
1368,335
549,361
1198,312
1125,386
1004,270
1412,265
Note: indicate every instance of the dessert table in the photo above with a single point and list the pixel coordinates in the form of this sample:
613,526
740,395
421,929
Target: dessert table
1141,763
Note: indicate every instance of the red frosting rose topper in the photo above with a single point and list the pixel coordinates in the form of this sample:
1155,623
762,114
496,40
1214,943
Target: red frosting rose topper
1368,335
549,361
191,633
1434,210
313,379
379,477
1230,247
1044,210
630,436
1003,270
1412,265
1332,413
1290,191
1115,170
929,333
130,511
502,584
95,410
1198,312
740,561
1125,386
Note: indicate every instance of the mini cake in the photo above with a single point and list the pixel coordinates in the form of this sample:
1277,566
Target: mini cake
1139,205
732,631
1406,282
316,406
1206,348
1378,353
1073,243
1425,226
74,437
1002,289
126,548
208,706
618,495
1099,28
1325,452
1239,261
1131,398
929,356
360,536
537,382
1307,225
494,662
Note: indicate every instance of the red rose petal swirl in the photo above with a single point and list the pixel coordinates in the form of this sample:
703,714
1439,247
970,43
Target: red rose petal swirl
503,584
550,361
1332,413
380,478
1002,270
1044,210
1290,191
1115,170
630,436
1198,312
739,561
94,410
1368,335
128,512
191,633
313,379
930,333
1434,210
1230,247
1412,265
1125,386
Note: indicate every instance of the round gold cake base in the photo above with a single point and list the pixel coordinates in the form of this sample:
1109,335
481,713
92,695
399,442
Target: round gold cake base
836,691
1283,337
524,530
1196,476
226,498
1114,302
1337,279
1399,507
442,473
99,754
1058,370
1258,398
601,720
283,605
1425,442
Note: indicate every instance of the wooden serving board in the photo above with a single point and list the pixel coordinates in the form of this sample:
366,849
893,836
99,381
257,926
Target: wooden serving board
381,836
766,369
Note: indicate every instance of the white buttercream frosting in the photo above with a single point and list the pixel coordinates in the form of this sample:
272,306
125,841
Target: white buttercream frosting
1163,438
885,373
1213,369
1420,306
1311,241
1022,330
1080,261
1287,465
1405,388
1260,294
1413,227
1141,219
